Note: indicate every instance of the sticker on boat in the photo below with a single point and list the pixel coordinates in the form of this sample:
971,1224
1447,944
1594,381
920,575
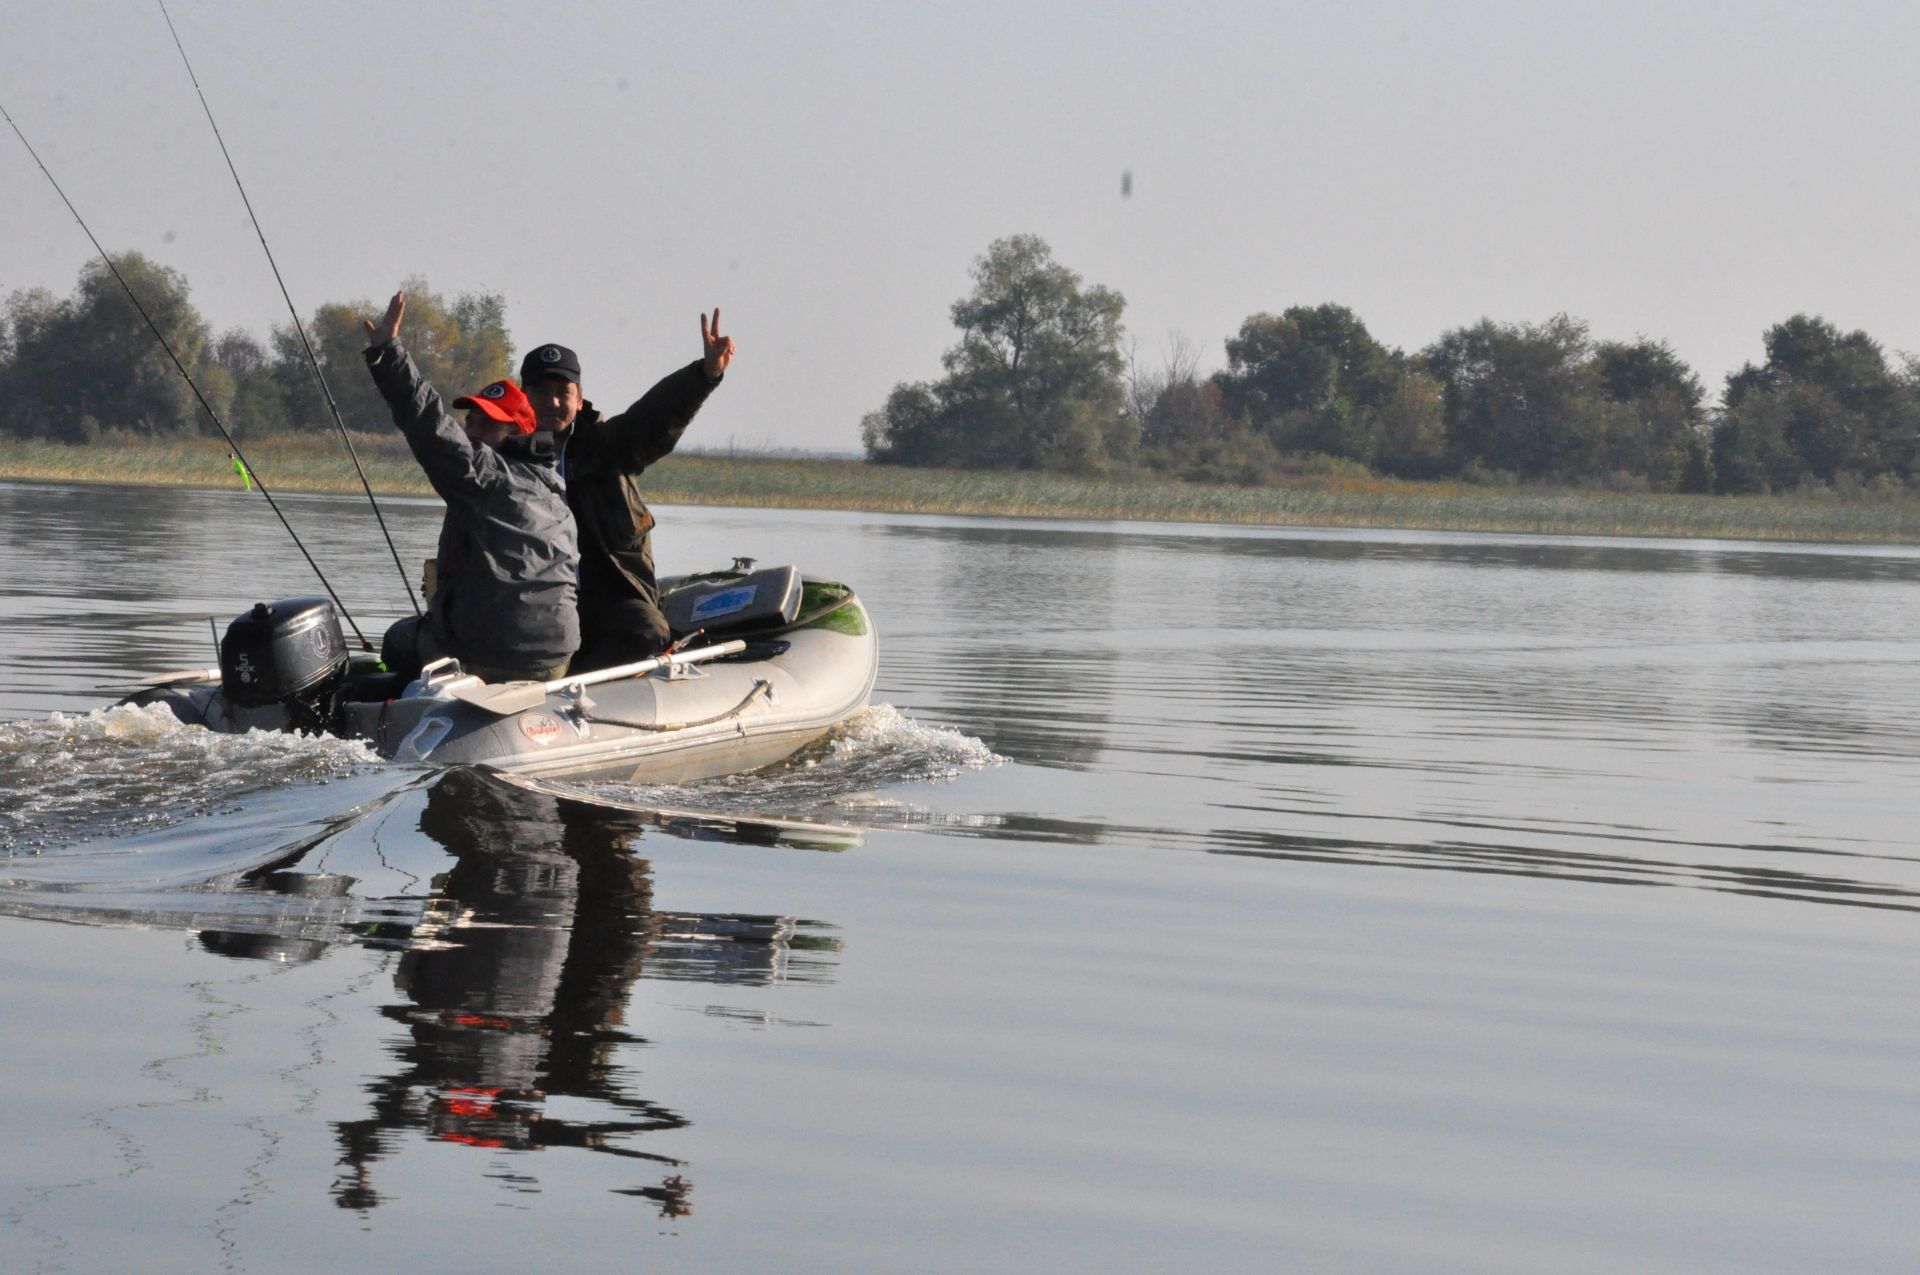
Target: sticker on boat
726,602
541,728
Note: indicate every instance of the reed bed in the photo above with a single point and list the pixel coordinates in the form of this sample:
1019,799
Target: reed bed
316,463
304,462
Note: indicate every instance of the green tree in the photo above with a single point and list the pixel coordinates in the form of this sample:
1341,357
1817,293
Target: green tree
258,402
1525,399
91,361
910,429
1824,405
1306,376
1406,432
30,315
1033,383
460,344
1751,454
1656,429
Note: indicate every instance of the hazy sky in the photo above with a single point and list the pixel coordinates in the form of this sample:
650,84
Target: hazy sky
826,173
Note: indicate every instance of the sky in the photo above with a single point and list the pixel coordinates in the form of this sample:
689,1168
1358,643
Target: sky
827,173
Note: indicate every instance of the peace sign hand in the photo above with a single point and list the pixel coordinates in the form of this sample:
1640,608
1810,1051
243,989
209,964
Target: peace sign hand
719,349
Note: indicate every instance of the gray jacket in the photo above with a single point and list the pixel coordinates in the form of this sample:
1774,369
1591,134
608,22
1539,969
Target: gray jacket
509,562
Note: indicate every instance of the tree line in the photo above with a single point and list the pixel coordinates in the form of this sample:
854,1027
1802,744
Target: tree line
1040,379
74,368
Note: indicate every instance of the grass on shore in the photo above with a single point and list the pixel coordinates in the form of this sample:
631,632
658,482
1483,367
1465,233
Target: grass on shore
317,463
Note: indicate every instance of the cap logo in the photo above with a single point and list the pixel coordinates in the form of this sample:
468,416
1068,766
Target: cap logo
550,355
496,390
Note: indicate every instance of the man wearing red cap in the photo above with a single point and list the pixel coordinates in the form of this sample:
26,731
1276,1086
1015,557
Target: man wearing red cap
505,598
600,459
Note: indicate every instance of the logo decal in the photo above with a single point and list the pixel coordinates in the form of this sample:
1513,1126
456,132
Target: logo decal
496,390
541,728
550,355
725,603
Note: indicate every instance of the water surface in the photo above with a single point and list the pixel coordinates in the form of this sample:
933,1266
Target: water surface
1251,899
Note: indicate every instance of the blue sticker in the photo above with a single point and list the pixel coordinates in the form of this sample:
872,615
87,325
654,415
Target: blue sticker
726,603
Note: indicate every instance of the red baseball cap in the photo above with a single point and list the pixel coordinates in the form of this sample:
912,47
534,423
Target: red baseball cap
504,402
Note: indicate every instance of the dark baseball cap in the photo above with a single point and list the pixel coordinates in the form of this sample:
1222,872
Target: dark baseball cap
550,360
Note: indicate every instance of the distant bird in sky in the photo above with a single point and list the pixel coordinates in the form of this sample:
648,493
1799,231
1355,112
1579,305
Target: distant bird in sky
1126,184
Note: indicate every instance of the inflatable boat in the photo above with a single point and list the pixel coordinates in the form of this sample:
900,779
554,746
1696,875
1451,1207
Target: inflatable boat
763,663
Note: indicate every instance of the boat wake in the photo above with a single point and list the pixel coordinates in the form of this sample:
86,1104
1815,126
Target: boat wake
74,778
101,815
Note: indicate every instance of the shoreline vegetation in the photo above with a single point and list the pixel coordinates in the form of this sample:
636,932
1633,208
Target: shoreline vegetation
1046,410
1315,496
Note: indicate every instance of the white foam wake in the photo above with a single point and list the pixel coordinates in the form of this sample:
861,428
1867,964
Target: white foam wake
74,777
877,747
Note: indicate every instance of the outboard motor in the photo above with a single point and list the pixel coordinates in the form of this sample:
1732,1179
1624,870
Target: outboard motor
288,653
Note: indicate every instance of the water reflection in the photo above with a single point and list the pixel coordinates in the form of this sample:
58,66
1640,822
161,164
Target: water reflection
1547,850
1041,684
1476,549
1044,702
521,920
1557,863
516,982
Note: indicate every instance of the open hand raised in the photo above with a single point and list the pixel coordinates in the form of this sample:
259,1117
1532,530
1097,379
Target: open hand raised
389,325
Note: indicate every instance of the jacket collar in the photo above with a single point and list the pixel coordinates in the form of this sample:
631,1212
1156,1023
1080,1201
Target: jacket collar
538,447
587,415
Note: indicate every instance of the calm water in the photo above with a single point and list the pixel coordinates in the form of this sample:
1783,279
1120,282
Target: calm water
1193,898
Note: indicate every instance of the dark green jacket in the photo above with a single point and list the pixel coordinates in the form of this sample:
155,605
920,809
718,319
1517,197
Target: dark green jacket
602,459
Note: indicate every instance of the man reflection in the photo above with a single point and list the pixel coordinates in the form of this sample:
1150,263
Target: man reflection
518,982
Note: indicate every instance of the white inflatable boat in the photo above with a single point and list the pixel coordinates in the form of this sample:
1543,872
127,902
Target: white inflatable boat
764,662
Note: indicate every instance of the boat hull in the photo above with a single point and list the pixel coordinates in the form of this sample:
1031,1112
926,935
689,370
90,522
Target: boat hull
786,689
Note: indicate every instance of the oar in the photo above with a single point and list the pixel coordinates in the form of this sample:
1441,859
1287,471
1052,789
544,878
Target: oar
503,698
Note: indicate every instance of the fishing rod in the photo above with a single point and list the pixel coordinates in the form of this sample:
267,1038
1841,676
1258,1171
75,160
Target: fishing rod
313,360
185,376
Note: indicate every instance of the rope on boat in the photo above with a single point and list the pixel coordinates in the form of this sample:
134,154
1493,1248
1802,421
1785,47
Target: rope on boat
760,687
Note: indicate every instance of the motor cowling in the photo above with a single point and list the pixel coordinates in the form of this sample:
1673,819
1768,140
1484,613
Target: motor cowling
282,652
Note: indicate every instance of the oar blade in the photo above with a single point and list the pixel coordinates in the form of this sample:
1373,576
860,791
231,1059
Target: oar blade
502,698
